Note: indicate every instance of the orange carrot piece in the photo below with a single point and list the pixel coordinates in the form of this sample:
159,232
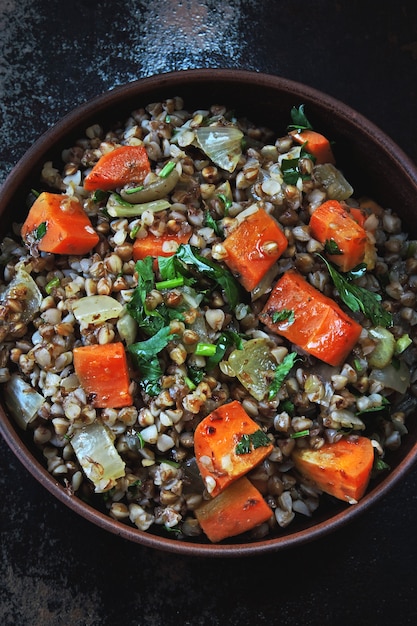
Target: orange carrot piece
103,374
253,247
341,469
116,168
316,144
237,509
165,245
218,442
330,222
67,228
319,325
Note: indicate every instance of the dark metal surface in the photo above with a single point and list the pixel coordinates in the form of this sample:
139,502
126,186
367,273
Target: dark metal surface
57,568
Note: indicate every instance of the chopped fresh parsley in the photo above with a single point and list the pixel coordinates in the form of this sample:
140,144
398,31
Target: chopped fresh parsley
228,338
40,231
299,119
358,298
211,270
145,354
212,223
280,373
331,247
285,315
247,443
290,168
149,320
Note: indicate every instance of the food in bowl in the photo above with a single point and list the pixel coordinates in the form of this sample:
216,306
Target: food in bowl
203,329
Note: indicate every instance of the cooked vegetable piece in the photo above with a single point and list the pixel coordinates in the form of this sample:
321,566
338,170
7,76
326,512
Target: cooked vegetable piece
57,223
227,444
384,349
156,190
332,179
316,144
253,247
341,469
254,366
126,164
103,373
237,509
22,400
154,246
94,448
320,326
222,144
331,224
23,289
96,309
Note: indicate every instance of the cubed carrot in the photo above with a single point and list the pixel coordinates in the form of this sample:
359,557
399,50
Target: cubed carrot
103,374
227,445
253,248
125,164
57,223
316,144
315,322
237,509
164,245
332,225
341,469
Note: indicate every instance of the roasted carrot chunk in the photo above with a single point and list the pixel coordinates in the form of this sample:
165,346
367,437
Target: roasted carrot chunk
59,224
116,168
103,374
306,317
237,509
228,444
334,226
253,247
341,469
316,144
165,245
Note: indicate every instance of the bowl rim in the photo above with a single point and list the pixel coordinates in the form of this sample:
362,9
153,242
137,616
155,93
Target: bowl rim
106,101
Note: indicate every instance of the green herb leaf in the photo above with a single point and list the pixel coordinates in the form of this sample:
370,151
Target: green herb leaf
250,442
222,277
227,339
331,247
40,231
212,223
285,315
299,119
145,353
358,298
290,168
280,373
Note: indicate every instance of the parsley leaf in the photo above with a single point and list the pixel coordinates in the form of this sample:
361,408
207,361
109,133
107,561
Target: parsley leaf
226,339
250,442
222,277
358,298
40,231
299,119
290,168
285,315
280,373
331,247
145,354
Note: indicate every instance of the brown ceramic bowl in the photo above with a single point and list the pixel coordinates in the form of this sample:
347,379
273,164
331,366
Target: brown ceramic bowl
388,175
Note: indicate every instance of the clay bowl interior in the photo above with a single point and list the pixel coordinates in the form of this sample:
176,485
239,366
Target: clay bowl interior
372,163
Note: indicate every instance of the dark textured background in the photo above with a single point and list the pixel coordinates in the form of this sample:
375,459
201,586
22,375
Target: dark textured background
57,569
